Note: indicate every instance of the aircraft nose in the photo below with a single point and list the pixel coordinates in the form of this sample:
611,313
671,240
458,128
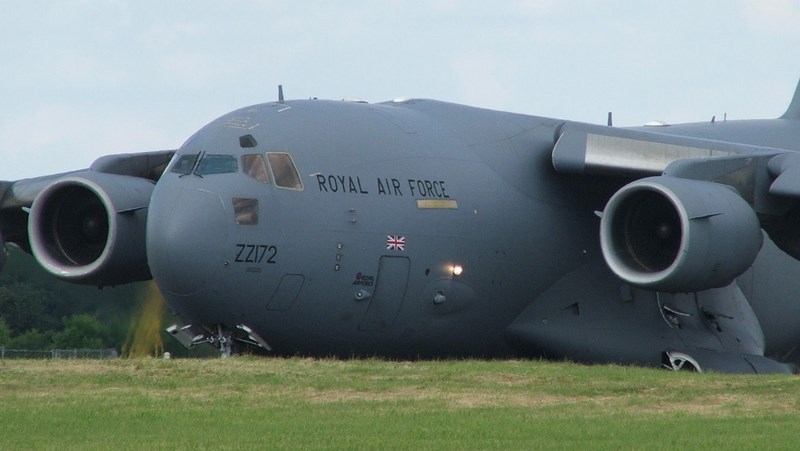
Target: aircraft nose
186,235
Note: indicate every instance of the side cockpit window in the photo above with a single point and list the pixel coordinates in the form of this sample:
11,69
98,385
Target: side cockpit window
284,171
255,167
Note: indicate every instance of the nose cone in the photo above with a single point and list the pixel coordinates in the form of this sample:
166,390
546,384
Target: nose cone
186,236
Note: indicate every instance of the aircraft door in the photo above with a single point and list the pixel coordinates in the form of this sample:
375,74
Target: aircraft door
286,293
390,290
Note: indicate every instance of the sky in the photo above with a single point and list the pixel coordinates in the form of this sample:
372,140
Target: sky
85,78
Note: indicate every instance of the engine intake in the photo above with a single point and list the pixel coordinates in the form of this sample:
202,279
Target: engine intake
678,235
89,228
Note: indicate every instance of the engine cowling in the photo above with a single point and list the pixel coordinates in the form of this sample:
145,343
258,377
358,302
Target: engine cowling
678,235
89,228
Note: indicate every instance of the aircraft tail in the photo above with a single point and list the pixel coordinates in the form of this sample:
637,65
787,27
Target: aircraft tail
793,112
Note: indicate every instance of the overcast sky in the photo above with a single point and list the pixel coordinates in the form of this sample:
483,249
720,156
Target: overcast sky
84,78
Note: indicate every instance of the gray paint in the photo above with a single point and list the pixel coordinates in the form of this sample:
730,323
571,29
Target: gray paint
464,186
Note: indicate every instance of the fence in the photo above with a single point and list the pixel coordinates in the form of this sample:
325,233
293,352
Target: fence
110,353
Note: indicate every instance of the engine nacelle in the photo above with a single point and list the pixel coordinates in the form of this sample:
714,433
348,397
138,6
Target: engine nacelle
678,235
89,228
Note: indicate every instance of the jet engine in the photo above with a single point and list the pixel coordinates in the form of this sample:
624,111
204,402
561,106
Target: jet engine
677,235
89,228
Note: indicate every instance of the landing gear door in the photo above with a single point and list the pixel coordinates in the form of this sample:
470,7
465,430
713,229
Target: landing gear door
718,319
390,290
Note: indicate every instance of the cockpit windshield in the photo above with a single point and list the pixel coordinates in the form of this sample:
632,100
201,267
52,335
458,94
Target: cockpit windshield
185,164
216,164
277,167
208,164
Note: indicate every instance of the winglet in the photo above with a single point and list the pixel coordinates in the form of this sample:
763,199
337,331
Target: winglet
793,112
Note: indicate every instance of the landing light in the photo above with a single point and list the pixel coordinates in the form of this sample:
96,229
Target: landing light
457,270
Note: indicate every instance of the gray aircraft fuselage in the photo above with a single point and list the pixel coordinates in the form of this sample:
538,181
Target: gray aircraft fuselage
317,273
423,229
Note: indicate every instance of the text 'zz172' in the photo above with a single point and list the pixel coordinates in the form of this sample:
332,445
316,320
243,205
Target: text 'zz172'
255,253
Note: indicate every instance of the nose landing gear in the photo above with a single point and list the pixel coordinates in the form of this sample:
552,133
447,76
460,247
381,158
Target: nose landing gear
221,337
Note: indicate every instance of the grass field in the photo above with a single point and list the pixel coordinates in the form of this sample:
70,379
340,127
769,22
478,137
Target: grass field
255,402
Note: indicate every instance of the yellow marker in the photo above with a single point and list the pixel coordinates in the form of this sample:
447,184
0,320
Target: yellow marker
445,204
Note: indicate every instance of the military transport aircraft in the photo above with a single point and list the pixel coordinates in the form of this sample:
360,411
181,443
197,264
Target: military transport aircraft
420,229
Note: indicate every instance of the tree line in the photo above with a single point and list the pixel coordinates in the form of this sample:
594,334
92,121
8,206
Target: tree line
40,312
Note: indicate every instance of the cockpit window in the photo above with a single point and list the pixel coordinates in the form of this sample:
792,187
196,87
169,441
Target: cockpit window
217,164
245,211
284,171
254,166
184,165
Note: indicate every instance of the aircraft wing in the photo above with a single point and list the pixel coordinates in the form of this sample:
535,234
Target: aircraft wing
691,218
595,149
758,173
121,183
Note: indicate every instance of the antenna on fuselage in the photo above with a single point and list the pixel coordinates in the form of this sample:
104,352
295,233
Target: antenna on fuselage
610,121
280,93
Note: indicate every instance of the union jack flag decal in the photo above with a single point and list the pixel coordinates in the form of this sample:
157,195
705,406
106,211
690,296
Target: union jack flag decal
395,243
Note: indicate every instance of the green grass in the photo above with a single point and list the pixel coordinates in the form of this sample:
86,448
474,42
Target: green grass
251,402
